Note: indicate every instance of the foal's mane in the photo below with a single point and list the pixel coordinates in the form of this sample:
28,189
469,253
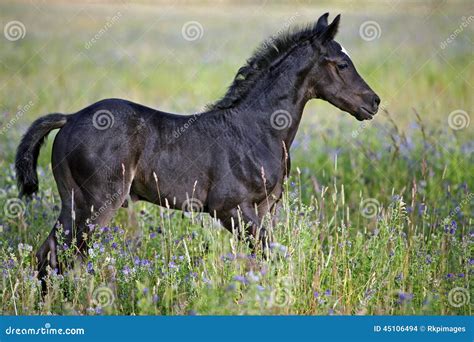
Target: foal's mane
257,65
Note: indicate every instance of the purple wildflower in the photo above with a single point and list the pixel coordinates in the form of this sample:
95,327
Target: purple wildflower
369,293
126,271
421,208
10,263
145,263
241,279
404,297
252,277
90,267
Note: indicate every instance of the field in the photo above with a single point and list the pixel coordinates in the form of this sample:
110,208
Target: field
376,218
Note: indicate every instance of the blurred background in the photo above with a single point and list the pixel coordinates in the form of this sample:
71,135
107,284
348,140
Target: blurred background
413,161
71,54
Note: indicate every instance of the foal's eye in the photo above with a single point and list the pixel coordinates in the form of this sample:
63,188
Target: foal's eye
342,66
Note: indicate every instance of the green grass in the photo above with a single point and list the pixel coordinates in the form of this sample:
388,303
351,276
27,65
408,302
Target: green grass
335,255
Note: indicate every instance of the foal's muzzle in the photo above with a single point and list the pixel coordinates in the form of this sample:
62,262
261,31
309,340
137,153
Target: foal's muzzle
370,108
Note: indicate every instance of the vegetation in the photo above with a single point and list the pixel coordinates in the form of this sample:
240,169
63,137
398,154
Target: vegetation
376,217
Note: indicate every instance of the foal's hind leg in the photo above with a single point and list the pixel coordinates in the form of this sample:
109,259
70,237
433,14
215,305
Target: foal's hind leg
81,206
47,253
94,210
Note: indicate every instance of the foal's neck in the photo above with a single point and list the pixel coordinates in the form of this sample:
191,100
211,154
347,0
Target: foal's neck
276,104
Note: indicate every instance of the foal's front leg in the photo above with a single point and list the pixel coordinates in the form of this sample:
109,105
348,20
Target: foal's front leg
248,224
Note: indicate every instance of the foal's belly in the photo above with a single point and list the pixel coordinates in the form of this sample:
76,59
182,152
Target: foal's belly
172,188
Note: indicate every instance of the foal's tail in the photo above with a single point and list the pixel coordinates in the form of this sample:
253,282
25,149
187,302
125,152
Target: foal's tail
28,150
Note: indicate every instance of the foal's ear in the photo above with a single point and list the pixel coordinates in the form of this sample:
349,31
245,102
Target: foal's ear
321,24
330,32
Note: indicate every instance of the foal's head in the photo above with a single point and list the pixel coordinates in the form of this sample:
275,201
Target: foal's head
333,77
323,70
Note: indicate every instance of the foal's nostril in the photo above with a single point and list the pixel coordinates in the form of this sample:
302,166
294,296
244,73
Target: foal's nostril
376,101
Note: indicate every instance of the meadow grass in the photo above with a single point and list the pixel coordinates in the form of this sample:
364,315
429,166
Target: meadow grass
376,218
